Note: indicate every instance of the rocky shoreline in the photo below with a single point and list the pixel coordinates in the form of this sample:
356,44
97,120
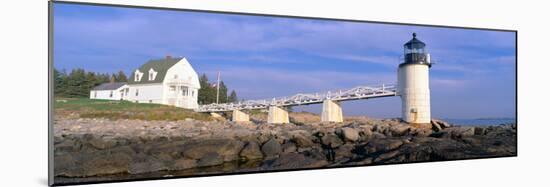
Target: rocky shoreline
101,149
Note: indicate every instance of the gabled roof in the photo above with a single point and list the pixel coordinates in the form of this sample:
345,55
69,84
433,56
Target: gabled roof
160,66
109,86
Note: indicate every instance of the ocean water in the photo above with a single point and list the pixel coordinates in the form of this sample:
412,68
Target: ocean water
480,122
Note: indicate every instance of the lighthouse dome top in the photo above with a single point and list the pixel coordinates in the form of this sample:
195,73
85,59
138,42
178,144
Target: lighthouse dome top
414,43
415,53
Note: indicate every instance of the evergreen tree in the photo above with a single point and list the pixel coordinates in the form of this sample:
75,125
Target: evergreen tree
203,97
223,93
59,79
78,82
103,78
121,77
208,92
75,83
232,97
89,83
113,78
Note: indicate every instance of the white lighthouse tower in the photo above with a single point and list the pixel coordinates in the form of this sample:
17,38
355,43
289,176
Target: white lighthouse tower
414,83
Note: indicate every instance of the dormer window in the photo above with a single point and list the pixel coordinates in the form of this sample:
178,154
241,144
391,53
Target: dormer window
152,74
137,75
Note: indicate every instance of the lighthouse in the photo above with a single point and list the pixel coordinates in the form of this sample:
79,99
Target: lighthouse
413,82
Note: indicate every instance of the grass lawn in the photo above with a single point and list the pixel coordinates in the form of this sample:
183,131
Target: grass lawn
93,108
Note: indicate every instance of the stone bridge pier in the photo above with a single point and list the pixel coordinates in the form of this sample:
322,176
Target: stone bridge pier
240,116
277,115
332,111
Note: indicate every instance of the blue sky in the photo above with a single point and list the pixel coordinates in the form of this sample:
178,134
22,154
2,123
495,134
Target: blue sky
262,57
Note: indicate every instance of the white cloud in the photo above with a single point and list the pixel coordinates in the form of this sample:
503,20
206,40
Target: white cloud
259,83
448,83
391,61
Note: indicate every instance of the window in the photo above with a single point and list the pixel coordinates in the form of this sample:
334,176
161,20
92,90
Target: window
176,76
172,88
126,90
184,91
137,75
193,93
95,94
152,74
111,94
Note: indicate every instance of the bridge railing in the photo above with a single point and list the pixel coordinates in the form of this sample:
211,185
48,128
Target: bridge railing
359,92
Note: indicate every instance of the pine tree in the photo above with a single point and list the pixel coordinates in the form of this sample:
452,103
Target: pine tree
103,78
75,83
232,97
121,77
204,90
113,78
59,84
79,83
207,92
89,83
223,93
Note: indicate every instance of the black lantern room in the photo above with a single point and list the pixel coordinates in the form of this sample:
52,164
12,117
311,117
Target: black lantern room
415,52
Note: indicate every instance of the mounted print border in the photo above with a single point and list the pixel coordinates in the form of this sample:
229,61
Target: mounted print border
143,93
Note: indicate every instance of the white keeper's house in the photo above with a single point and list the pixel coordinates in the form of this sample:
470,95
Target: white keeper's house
169,81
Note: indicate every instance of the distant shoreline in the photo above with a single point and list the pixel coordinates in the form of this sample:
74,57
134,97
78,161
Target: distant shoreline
481,121
496,118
